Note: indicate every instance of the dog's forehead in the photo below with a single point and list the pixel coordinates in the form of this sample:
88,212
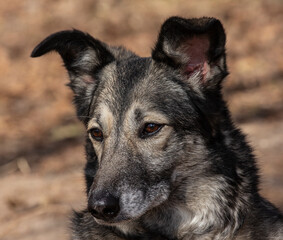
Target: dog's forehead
138,86
118,84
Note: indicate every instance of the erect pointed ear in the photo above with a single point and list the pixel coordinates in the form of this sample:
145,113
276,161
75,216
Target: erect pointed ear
194,46
83,56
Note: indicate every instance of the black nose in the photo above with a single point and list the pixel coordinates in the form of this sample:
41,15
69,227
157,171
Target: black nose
103,206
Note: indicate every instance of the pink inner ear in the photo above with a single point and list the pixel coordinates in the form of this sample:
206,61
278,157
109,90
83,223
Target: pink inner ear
196,49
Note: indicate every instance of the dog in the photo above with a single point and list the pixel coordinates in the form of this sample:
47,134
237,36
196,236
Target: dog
164,158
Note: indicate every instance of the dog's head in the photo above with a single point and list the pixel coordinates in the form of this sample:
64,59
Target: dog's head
147,119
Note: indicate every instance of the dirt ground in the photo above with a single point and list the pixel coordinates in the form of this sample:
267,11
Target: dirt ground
41,142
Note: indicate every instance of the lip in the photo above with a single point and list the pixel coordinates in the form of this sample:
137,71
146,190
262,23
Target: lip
118,219
147,204
123,218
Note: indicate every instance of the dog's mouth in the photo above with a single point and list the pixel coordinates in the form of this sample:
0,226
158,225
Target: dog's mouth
130,206
117,220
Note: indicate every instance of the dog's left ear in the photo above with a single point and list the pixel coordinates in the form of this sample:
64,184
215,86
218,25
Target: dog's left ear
194,46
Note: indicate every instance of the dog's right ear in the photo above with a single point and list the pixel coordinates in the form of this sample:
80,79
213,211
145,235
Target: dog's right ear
83,56
81,53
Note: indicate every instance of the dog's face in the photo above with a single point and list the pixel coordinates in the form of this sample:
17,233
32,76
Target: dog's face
136,134
133,138
146,118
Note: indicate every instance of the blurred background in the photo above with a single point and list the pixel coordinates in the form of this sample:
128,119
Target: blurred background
41,141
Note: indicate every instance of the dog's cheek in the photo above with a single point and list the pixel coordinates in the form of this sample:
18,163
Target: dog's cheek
159,151
171,153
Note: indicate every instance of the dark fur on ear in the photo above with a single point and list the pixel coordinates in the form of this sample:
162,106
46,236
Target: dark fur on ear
196,46
71,45
83,57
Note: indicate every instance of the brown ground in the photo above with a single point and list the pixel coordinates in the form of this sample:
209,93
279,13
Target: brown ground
41,142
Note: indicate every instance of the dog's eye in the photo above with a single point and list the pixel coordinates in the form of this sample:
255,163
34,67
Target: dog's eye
96,134
151,129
